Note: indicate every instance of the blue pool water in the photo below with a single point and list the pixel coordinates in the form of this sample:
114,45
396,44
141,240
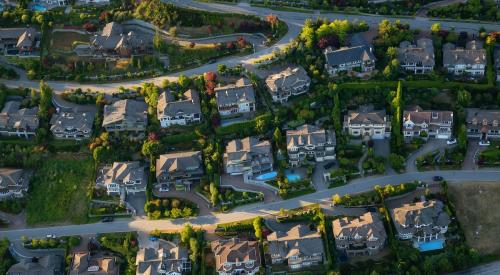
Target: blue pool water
432,245
38,7
271,175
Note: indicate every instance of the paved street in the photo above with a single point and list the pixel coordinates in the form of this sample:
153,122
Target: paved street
487,269
207,222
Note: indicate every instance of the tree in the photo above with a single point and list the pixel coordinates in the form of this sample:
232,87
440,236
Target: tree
151,149
435,28
257,226
336,199
194,248
158,42
173,31
186,233
464,97
397,137
308,35
277,137
273,21
214,194
221,68
336,109
183,81
260,125
462,138
45,101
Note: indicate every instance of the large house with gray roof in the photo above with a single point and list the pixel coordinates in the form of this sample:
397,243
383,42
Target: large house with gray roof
179,112
483,124
114,41
248,156
235,98
165,258
289,82
47,265
310,142
419,58
421,222
298,247
122,177
235,256
126,116
72,125
470,61
14,182
358,236
367,122
17,121
21,41
436,124
180,169
358,58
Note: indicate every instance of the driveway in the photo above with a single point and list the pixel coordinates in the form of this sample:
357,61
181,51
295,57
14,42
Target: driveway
15,221
431,145
317,177
473,149
382,148
237,181
137,201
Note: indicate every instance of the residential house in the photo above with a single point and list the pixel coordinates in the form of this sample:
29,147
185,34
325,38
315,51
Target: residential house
419,58
122,177
235,98
482,124
421,222
55,3
179,112
46,265
357,58
309,141
72,125
167,258
363,235
437,124
496,56
180,169
235,256
16,121
367,122
22,41
13,182
471,60
298,247
114,41
248,156
288,83
126,116
86,263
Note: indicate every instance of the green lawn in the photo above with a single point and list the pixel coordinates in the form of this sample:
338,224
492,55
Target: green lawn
58,191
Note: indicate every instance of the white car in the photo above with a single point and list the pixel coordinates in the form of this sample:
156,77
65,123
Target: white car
451,141
484,143
51,236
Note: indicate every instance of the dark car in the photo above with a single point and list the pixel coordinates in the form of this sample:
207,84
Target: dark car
212,61
329,165
437,178
107,219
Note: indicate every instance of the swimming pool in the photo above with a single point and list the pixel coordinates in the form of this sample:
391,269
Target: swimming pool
38,7
273,174
432,245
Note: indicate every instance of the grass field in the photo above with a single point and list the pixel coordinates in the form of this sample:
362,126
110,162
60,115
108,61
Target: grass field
59,191
480,220
63,41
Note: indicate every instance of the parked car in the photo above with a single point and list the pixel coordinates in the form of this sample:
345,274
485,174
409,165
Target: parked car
152,238
107,219
212,61
484,143
437,178
451,141
51,236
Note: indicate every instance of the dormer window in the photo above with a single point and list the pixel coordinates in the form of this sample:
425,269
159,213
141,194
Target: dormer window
485,122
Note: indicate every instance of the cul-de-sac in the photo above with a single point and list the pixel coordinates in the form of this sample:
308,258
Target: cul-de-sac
249,137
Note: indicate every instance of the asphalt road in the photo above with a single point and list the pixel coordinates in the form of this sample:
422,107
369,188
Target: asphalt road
487,269
294,20
208,222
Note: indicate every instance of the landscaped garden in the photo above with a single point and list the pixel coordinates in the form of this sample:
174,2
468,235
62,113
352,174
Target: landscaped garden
126,245
491,156
59,190
170,208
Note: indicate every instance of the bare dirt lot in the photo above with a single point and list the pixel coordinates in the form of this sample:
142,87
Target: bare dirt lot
477,214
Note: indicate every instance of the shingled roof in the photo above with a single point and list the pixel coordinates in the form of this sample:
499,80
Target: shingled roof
241,91
431,212
472,54
346,55
129,110
168,106
308,135
365,115
422,52
299,240
367,228
13,117
235,250
180,161
287,79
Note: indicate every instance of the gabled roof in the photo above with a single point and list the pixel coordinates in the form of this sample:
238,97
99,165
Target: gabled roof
472,54
176,162
299,240
366,115
81,121
244,149
167,106
407,216
346,55
129,110
168,256
12,117
367,228
417,115
27,39
235,250
121,172
422,52
308,135
241,91
287,79
46,265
